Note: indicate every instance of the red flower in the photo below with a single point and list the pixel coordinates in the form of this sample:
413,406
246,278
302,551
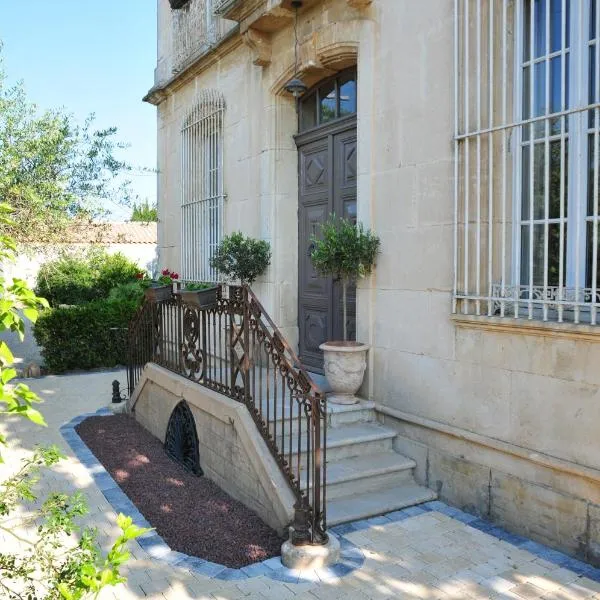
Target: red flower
140,275
165,272
174,276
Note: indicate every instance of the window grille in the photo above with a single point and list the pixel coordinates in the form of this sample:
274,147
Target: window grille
527,124
202,186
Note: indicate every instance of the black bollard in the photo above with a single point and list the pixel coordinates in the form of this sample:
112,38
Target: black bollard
116,393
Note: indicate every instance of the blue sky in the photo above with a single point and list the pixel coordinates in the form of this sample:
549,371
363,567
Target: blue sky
89,56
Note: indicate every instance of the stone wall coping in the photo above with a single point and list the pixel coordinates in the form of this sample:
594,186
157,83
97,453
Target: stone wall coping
576,331
540,458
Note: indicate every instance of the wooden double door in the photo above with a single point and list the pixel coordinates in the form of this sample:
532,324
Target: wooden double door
327,185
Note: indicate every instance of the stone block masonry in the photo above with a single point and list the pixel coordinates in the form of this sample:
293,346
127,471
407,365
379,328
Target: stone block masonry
542,502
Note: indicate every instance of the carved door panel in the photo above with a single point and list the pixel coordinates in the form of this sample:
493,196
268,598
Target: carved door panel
327,184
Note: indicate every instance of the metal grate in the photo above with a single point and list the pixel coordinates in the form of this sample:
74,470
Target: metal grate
527,122
196,28
202,186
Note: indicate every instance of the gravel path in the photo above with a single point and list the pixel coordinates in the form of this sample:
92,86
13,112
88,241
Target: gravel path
192,514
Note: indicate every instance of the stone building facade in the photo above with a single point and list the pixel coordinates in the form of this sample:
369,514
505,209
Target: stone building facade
485,351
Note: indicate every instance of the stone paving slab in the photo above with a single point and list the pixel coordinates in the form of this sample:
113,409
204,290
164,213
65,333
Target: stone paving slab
432,551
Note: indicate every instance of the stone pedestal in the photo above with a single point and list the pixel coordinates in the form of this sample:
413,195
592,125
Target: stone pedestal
310,557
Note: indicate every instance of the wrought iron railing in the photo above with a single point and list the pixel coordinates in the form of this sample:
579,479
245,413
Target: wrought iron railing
234,348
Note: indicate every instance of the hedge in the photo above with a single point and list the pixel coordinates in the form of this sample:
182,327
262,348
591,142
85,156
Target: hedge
87,336
75,279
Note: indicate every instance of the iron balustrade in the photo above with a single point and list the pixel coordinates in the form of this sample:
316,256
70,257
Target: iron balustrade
235,349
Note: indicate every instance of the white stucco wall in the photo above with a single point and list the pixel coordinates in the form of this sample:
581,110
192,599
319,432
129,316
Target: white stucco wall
501,422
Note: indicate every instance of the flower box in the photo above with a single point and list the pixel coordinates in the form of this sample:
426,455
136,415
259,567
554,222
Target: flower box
158,293
206,298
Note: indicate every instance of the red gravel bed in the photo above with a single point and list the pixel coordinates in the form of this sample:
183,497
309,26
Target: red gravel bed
192,514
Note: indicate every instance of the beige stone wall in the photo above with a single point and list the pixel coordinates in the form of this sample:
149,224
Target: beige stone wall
232,452
516,390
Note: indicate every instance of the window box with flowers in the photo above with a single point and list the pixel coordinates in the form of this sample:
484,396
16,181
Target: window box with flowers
203,295
161,289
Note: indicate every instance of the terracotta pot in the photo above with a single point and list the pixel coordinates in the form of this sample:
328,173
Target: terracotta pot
206,298
345,364
158,293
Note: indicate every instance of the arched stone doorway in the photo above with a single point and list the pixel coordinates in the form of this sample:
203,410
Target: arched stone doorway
327,182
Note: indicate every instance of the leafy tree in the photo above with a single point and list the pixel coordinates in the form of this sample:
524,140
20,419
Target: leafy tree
53,173
241,258
52,563
144,212
345,251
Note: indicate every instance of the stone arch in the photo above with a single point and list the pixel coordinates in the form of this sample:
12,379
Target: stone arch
327,51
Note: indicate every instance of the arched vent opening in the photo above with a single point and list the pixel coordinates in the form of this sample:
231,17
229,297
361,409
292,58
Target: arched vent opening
181,441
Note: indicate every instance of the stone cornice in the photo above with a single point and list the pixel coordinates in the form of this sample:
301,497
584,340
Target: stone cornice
197,65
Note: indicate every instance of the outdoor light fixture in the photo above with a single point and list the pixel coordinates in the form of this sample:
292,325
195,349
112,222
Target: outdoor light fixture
296,86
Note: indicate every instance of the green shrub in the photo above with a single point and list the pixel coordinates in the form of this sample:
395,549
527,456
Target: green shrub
241,258
87,336
76,279
113,270
133,291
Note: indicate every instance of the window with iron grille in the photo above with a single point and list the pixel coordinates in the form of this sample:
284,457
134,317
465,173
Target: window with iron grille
202,186
527,156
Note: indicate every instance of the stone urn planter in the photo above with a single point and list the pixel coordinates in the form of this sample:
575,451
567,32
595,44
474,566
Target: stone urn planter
158,293
344,364
206,298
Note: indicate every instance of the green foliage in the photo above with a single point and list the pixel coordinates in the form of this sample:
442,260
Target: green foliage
48,568
124,292
144,212
195,286
241,258
53,171
16,299
86,336
345,251
75,279
57,563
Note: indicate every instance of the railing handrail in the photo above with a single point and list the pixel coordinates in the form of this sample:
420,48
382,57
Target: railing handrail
233,347
296,363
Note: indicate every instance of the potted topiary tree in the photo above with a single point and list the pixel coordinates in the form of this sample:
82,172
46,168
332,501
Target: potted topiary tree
241,259
347,252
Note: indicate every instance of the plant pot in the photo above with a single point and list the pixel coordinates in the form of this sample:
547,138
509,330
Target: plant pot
206,298
345,364
158,293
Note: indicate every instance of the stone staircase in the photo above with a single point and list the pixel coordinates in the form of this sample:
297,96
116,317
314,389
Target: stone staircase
366,477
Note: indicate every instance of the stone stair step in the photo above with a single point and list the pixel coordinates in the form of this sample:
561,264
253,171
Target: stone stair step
338,415
358,439
376,502
363,473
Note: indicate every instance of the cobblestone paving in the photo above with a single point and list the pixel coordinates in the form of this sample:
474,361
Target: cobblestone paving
430,552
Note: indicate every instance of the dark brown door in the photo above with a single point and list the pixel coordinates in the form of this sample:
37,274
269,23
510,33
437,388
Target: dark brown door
327,182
